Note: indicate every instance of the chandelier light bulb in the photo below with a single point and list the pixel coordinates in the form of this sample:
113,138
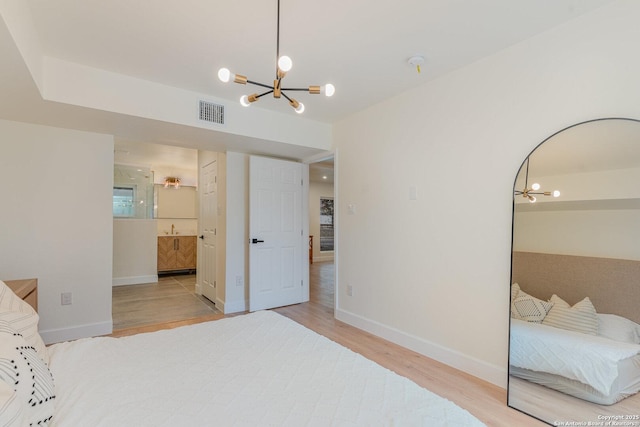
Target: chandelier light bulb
244,101
556,193
285,63
532,199
224,74
329,89
300,108
535,186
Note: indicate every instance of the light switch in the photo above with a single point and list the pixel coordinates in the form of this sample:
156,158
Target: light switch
351,209
413,193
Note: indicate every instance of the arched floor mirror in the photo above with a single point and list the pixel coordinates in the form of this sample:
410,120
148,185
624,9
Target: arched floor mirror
574,344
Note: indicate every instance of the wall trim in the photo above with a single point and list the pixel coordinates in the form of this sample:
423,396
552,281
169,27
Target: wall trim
76,332
494,374
234,307
134,280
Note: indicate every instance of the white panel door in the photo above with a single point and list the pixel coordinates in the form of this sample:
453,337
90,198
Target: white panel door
207,225
275,232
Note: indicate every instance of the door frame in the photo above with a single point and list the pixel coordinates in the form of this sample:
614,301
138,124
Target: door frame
331,154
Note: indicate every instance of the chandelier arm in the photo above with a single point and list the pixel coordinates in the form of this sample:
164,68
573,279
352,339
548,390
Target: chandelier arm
259,84
304,89
265,93
285,95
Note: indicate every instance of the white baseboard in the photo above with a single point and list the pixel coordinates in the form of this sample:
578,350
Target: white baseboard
134,280
494,374
83,331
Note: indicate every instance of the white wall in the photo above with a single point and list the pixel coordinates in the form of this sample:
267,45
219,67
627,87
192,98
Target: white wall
237,239
317,190
135,251
57,223
433,273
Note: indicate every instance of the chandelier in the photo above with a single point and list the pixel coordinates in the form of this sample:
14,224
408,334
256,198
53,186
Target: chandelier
283,65
530,193
172,181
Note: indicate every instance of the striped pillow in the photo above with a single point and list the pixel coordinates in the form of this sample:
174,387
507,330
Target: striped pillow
23,318
582,317
12,409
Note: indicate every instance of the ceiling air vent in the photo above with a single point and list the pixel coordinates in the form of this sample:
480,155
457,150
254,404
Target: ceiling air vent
210,112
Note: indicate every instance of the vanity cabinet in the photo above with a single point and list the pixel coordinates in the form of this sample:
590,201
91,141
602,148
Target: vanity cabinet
176,253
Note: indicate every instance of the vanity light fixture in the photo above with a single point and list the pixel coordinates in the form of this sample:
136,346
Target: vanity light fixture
531,193
172,181
283,65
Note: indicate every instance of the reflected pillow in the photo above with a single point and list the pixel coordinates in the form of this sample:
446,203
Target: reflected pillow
581,317
618,328
527,307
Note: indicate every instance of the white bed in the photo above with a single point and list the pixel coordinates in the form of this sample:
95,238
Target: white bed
590,367
259,369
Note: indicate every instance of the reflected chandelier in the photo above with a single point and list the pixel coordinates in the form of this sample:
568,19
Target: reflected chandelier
283,65
530,193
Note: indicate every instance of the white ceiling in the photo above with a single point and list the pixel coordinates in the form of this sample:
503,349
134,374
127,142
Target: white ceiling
361,46
598,145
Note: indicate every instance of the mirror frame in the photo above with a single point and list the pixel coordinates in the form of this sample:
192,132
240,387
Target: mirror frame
511,274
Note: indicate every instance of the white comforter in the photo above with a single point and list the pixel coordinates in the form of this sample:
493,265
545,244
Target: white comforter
592,360
260,369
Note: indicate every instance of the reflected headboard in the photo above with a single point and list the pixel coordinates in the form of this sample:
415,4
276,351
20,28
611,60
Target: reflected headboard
612,285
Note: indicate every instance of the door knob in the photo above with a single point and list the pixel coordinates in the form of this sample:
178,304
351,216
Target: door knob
202,236
254,241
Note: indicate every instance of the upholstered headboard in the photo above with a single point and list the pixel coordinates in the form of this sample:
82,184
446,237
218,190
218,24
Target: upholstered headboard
613,285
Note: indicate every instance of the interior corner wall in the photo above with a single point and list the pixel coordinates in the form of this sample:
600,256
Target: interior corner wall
237,229
316,191
426,245
58,224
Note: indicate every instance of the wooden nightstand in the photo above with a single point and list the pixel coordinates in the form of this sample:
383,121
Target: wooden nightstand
27,289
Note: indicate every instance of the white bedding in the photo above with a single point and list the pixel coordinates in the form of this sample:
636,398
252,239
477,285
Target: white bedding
260,369
592,360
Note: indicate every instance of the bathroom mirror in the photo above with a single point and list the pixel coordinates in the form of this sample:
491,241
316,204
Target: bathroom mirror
574,339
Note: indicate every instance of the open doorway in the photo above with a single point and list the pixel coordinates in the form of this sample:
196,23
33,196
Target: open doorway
322,231
154,258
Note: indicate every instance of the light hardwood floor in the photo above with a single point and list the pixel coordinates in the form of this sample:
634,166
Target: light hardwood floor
172,298
484,400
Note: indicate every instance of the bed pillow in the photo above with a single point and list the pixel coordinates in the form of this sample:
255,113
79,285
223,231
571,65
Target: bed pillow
22,369
12,411
618,328
515,290
23,318
527,307
582,317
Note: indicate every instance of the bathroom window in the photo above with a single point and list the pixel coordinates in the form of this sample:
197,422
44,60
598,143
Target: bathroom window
123,198
326,224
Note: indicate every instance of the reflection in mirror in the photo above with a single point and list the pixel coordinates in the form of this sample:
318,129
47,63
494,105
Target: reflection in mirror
574,349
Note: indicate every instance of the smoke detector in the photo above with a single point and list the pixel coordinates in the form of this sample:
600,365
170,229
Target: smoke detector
416,61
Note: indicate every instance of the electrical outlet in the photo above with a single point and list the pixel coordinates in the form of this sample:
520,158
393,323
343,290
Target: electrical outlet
350,290
66,298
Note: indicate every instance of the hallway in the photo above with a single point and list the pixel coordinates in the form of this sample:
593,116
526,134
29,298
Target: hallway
173,298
